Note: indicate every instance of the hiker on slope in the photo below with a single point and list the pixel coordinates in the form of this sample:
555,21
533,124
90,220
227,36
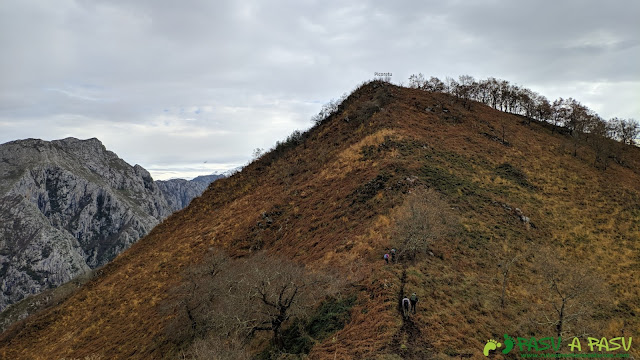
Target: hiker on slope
414,302
406,307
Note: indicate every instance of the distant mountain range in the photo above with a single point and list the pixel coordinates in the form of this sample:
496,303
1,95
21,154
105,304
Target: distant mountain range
180,192
68,206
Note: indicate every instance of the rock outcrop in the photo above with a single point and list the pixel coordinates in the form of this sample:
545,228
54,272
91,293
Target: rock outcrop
68,206
180,192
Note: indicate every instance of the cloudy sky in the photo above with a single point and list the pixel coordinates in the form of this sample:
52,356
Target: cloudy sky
192,87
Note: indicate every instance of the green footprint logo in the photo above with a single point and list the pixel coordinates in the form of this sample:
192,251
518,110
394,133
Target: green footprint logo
490,346
509,343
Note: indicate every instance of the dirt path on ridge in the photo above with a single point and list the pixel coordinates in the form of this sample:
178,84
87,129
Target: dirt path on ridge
407,342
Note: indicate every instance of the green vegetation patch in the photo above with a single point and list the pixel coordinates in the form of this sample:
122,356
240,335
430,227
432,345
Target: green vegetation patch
299,338
332,315
369,189
447,182
405,147
514,174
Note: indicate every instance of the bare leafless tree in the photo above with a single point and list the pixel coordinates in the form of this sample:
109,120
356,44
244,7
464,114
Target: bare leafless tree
189,305
262,293
329,109
570,295
466,89
434,84
417,81
626,130
543,109
424,217
451,86
216,348
600,138
223,302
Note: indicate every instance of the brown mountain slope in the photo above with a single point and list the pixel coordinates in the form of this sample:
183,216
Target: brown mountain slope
333,195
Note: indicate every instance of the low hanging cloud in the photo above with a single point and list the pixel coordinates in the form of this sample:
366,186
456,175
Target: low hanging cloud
181,87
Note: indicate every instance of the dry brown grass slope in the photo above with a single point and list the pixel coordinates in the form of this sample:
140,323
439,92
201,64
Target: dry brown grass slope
333,198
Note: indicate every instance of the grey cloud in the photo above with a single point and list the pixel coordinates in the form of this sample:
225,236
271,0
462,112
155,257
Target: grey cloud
233,76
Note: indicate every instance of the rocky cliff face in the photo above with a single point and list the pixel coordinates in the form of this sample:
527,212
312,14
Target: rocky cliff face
67,206
180,192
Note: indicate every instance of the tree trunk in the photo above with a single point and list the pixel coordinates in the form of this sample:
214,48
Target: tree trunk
277,338
560,319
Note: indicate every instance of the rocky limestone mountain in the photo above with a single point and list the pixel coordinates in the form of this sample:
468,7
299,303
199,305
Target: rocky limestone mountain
68,206
180,192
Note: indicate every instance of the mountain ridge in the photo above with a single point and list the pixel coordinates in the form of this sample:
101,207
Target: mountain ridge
180,192
331,198
68,206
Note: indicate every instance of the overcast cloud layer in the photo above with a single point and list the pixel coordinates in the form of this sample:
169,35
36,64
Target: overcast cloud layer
190,87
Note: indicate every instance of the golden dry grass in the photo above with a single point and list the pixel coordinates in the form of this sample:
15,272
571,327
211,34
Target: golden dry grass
332,205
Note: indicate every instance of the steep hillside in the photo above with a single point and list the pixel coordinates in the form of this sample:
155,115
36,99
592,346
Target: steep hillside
332,199
68,206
